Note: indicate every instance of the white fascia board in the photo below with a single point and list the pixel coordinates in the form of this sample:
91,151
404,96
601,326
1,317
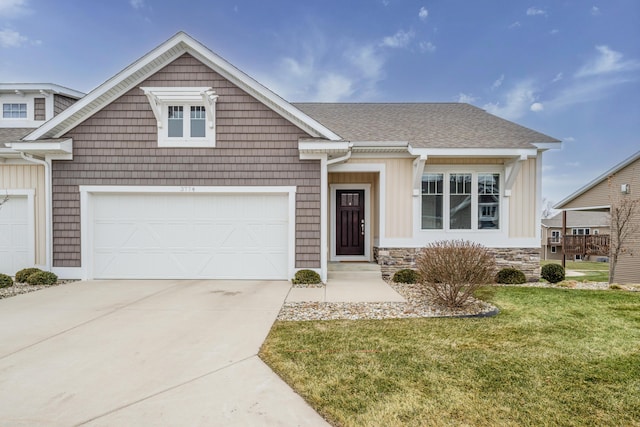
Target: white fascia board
61,147
474,152
42,87
589,208
325,147
380,144
544,146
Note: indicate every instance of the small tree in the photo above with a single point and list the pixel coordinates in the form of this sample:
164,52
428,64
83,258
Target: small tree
625,222
451,271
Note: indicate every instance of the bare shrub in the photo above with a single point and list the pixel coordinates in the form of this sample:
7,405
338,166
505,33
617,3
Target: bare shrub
451,271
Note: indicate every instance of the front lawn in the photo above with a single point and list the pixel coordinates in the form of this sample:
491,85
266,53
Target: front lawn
591,271
551,357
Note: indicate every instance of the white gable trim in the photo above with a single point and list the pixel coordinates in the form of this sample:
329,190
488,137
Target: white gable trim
135,73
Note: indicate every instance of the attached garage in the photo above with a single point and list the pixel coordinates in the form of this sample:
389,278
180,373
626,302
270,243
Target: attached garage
188,233
16,231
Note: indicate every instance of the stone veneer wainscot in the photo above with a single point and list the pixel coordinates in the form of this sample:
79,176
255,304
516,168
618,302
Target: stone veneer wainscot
525,259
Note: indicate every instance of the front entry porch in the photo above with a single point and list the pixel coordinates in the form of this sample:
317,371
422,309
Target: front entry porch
351,282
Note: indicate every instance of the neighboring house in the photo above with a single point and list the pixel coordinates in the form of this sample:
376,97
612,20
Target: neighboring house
578,224
23,179
182,166
619,183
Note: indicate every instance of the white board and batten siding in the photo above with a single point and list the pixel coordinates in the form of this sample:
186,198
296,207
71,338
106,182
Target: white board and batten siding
189,233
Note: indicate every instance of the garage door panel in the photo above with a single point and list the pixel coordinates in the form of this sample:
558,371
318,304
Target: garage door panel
14,235
241,236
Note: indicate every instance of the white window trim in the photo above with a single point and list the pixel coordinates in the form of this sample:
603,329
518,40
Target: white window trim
160,98
554,249
446,199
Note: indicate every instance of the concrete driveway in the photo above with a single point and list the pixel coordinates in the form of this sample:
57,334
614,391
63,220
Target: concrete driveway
144,353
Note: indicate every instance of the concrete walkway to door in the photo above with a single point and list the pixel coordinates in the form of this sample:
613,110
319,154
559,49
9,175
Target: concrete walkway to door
170,353
349,282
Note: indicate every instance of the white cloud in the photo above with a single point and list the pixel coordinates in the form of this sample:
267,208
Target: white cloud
334,87
136,4
557,78
595,11
9,8
516,102
534,11
536,106
400,39
554,31
10,38
423,13
607,61
496,84
572,164
516,24
569,139
427,47
466,98
585,90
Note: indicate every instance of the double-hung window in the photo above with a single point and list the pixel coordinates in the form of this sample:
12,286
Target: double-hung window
185,116
469,201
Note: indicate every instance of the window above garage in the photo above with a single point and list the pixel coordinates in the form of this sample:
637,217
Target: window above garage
186,116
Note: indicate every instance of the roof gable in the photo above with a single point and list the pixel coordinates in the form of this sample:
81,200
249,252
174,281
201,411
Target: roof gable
599,180
153,61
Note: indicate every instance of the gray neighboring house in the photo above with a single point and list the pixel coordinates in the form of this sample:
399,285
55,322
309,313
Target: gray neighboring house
578,223
183,166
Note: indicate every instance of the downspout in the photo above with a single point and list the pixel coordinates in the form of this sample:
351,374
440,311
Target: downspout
47,205
340,159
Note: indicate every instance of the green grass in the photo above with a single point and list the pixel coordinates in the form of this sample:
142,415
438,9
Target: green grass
593,271
552,357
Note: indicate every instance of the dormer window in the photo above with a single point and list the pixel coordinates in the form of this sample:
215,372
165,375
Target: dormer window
185,116
14,111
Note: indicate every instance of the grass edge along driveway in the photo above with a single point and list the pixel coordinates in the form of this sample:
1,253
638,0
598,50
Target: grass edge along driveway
551,357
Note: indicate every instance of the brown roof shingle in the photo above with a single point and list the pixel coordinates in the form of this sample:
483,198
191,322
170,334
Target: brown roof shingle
13,134
423,125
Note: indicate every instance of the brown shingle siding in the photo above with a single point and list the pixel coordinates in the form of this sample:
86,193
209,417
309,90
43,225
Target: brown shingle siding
39,112
118,146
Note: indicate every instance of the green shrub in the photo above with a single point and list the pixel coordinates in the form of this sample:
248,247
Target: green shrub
5,281
22,275
406,275
510,276
452,271
42,278
552,273
306,277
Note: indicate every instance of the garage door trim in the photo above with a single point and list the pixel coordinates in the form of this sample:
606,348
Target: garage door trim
86,214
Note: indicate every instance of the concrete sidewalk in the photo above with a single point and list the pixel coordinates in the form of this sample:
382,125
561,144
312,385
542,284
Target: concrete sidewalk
170,353
349,282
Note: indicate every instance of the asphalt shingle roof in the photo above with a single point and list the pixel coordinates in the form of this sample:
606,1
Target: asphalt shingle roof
13,134
423,125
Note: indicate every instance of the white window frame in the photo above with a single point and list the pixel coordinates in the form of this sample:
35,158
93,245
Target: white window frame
22,102
446,199
161,98
585,231
554,249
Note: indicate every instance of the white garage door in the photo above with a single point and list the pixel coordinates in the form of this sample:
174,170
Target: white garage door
14,235
190,236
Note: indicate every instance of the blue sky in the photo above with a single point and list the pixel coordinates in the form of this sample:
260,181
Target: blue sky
570,69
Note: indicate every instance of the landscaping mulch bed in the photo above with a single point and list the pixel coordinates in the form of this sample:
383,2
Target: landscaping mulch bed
25,288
